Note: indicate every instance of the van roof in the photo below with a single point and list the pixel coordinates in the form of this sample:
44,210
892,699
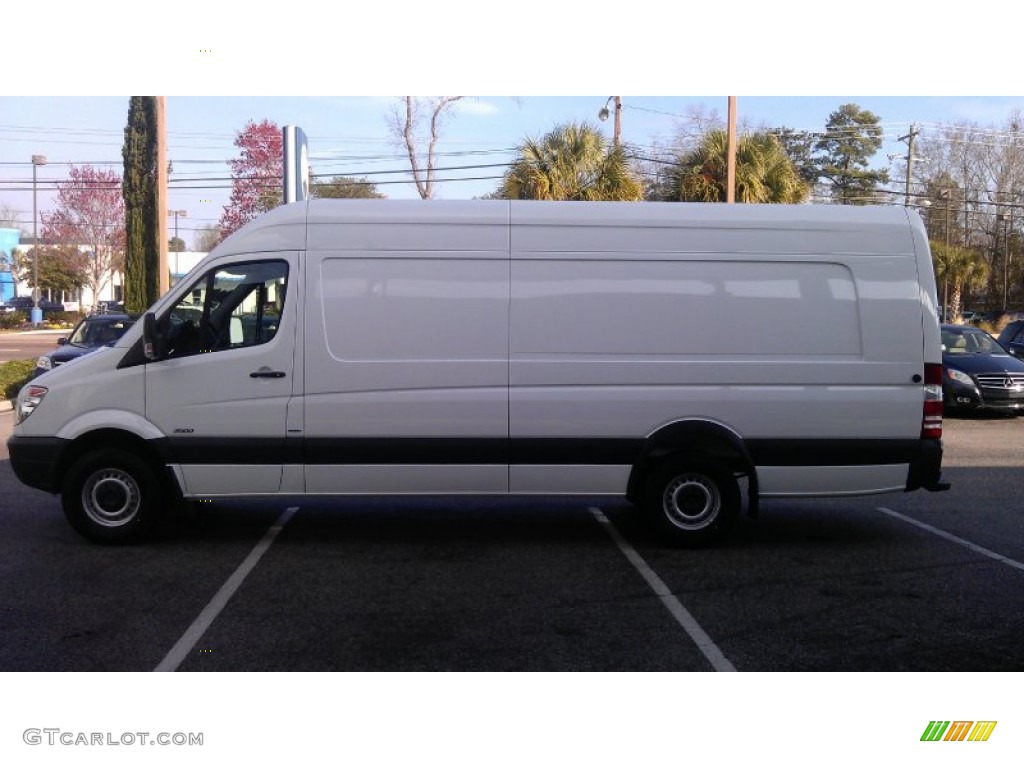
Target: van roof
313,224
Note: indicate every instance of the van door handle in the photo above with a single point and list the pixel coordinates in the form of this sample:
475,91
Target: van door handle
266,373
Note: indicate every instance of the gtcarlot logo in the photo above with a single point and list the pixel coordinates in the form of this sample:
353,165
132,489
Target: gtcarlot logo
57,737
958,730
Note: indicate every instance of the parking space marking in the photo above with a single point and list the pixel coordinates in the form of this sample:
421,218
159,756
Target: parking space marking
194,633
685,619
955,539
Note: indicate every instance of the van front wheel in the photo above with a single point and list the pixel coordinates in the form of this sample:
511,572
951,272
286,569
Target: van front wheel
112,497
692,501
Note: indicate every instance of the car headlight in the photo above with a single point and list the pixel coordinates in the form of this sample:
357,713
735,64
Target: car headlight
44,362
959,376
29,398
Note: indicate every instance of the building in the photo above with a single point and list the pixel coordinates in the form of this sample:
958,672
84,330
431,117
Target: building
179,264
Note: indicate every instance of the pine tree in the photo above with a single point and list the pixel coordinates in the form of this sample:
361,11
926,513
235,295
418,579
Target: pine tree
852,136
142,254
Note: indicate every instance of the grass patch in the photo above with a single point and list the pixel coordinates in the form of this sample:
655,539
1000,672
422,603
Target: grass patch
14,374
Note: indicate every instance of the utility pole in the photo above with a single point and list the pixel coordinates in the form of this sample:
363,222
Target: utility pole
37,313
909,138
966,197
162,171
730,163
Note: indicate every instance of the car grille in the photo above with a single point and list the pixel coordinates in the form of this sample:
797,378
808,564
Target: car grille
1008,381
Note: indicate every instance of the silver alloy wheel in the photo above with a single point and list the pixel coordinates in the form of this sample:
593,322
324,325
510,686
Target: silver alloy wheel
691,501
111,497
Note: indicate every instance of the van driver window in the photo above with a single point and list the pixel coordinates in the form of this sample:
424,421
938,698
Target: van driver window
234,306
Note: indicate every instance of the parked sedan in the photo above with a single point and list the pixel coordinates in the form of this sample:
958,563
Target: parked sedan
89,335
978,372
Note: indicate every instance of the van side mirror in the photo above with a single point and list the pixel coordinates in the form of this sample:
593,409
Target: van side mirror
152,339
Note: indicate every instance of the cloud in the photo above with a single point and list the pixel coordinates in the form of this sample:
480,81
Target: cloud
475,106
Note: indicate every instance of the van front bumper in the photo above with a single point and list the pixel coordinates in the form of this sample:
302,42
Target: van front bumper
35,461
926,468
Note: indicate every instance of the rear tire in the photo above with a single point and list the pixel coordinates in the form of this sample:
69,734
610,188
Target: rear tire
692,501
111,496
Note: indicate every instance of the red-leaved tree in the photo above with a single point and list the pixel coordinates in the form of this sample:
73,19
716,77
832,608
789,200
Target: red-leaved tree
256,175
90,214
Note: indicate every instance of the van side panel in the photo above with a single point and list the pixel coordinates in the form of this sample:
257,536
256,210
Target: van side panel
407,343
789,334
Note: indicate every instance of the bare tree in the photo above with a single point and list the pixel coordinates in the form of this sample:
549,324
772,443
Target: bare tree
406,124
9,218
206,238
974,179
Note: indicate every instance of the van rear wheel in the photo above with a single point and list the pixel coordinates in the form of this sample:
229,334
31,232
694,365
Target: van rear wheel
111,496
692,500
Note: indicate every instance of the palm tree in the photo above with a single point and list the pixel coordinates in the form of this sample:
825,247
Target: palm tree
764,173
571,162
960,269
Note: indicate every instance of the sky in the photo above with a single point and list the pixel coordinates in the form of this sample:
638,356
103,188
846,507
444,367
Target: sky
550,65
351,136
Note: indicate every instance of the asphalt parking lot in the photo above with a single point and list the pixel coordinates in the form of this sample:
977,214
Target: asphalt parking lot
931,582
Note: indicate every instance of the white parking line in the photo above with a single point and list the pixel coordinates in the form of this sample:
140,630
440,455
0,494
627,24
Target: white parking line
194,633
685,619
955,539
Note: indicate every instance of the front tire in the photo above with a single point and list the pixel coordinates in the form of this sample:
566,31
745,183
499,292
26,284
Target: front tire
111,496
692,500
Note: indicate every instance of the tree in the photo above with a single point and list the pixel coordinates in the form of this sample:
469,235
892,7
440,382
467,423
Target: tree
139,189
764,174
90,213
942,214
9,218
799,148
405,123
571,162
345,187
207,238
852,137
960,269
973,178
175,245
61,268
256,175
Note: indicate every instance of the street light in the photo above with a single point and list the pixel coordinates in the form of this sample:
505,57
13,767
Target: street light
1005,218
37,313
177,242
605,113
945,196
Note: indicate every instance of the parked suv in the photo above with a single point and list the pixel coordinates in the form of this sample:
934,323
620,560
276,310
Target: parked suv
1012,338
89,335
26,303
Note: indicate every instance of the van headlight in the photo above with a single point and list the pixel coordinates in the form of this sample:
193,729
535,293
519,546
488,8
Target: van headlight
44,362
29,398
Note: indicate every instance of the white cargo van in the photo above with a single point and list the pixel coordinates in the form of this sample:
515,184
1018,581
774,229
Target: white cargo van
661,352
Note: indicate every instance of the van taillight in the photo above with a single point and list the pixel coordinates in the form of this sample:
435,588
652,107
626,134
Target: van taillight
931,420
